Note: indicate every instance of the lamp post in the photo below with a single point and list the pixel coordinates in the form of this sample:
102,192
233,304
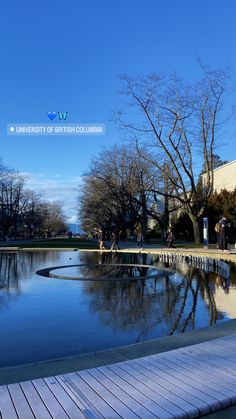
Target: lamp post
205,232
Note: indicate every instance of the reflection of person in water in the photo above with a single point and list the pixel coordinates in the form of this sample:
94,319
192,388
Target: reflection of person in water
101,258
224,283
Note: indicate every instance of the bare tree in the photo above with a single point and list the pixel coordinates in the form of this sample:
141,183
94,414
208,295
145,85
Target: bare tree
11,203
118,193
177,125
52,218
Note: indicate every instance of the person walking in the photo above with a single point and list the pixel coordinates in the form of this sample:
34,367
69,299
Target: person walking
148,238
101,240
114,241
170,237
223,232
140,240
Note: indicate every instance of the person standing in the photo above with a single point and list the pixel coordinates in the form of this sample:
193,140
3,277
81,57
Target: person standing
223,234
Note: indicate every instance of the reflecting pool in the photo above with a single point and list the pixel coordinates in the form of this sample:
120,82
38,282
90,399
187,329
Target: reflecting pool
55,304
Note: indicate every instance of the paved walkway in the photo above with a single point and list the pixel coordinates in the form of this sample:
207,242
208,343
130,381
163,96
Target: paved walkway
182,383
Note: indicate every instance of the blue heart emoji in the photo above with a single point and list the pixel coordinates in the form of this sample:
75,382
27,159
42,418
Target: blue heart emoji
52,115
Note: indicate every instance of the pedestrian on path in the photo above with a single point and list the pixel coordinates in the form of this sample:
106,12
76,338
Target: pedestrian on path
170,237
140,240
101,240
114,241
223,234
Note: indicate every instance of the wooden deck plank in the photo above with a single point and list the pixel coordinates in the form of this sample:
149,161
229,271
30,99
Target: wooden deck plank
38,407
67,403
191,371
170,375
156,385
121,394
158,403
182,383
158,394
7,407
107,395
199,360
53,405
189,379
206,373
137,390
227,341
135,394
222,350
171,384
223,364
79,401
104,409
21,403
225,349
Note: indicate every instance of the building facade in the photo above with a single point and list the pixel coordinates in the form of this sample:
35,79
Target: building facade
224,177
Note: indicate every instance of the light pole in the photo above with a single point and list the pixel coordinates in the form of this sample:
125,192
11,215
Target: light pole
205,232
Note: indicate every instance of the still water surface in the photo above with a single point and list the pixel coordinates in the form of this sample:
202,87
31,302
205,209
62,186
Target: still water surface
43,318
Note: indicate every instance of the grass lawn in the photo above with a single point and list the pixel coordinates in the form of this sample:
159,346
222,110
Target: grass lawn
89,244
56,243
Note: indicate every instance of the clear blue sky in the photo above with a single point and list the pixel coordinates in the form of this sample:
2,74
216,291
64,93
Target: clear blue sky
66,56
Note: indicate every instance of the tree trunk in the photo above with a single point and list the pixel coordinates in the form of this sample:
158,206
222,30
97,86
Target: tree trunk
196,229
163,231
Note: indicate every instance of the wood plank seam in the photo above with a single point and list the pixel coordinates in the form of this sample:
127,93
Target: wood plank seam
26,398
148,393
41,398
184,377
130,390
147,401
157,394
35,405
51,394
12,402
83,397
76,398
171,386
181,384
128,400
55,396
187,401
114,402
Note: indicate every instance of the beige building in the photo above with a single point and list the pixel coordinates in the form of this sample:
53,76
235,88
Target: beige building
224,177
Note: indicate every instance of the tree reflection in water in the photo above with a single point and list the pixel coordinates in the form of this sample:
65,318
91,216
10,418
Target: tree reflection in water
15,267
157,306
171,302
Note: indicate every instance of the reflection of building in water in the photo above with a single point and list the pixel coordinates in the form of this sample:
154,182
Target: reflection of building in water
225,302
224,297
214,279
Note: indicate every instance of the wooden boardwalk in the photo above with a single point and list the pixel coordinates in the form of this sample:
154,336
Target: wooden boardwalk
182,383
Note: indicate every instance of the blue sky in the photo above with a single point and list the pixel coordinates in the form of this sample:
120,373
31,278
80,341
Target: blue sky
66,56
